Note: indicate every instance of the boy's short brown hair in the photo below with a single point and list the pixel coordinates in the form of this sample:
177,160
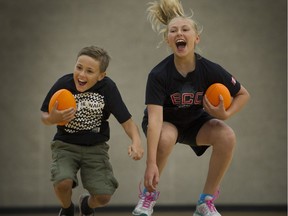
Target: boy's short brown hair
98,54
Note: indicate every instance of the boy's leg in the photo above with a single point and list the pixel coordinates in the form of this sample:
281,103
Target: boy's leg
63,173
97,178
63,191
87,203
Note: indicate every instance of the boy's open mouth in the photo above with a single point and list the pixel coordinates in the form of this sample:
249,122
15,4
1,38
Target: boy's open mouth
81,83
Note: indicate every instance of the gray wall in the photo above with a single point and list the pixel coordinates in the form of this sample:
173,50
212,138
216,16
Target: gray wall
39,41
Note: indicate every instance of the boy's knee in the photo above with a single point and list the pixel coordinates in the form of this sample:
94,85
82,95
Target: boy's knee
64,185
100,200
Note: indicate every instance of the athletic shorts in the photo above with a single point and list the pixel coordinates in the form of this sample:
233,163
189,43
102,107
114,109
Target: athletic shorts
187,133
92,161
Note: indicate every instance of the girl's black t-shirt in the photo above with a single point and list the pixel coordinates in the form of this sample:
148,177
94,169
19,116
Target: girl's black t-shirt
181,97
94,107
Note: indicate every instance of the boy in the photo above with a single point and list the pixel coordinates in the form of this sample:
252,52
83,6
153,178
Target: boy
81,143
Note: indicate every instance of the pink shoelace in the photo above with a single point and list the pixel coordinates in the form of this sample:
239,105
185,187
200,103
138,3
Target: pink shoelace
210,203
147,197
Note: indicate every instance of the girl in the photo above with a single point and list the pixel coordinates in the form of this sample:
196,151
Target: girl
178,111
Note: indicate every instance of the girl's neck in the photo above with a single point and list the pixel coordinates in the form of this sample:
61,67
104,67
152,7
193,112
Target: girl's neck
185,65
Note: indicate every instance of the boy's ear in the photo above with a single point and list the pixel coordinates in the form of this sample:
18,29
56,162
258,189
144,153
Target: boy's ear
101,76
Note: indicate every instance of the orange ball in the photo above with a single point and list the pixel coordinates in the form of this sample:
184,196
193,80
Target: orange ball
214,91
65,100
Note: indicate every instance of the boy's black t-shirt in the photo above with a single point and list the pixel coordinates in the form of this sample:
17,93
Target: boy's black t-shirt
181,97
94,106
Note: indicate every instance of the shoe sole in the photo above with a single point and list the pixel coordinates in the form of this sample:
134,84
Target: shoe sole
136,214
139,214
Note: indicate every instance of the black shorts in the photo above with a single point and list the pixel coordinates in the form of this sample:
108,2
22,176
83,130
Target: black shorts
187,133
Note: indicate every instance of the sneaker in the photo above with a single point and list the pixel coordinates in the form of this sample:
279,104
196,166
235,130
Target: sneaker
206,208
62,212
80,204
147,201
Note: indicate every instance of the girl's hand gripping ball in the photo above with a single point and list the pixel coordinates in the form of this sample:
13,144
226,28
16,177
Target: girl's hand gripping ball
213,93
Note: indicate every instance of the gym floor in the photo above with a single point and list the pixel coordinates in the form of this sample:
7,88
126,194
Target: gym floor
168,214
160,212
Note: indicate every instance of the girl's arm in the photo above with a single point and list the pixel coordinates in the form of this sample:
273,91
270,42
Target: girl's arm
238,102
155,119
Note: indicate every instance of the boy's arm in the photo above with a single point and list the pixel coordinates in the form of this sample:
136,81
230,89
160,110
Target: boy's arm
45,118
56,116
135,150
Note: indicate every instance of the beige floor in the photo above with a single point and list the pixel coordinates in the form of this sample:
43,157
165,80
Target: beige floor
169,214
223,214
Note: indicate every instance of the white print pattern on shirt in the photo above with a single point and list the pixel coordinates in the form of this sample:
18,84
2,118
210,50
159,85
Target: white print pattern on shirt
89,112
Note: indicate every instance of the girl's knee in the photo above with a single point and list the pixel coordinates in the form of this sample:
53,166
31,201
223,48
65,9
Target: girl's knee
223,136
230,136
227,140
168,138
165,146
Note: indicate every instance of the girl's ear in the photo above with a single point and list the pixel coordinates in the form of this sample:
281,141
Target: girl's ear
197,40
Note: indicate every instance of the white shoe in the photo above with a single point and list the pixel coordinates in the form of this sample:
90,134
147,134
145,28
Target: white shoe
207,208
147,201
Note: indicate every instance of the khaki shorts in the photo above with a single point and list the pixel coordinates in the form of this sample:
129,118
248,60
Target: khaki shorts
93,162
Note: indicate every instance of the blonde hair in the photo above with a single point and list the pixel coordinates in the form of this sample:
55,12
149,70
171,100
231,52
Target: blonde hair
162,12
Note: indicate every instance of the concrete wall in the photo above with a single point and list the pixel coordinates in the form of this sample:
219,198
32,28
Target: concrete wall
39,40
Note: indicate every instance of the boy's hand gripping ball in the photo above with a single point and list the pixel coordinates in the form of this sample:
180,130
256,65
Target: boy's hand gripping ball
65,100
214,91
